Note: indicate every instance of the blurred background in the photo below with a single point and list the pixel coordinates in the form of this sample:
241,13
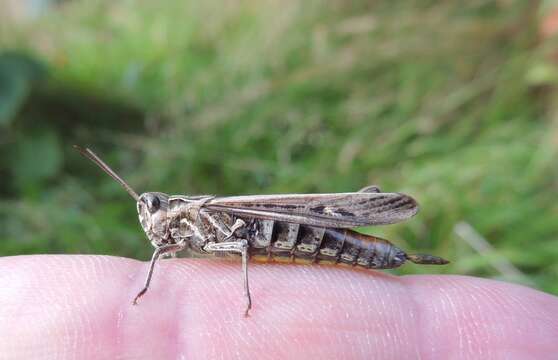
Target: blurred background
452,102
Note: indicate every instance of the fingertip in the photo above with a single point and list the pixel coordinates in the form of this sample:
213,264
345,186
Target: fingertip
61,305
81,305
474,317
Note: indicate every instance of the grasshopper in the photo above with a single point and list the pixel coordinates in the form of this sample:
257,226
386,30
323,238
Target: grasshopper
300,228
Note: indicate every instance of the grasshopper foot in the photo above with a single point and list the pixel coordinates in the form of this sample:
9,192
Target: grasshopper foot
139,295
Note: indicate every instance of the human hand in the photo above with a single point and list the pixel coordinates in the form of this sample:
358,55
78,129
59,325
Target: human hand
80,307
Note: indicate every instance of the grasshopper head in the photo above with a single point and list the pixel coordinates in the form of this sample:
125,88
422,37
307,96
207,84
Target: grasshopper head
152,212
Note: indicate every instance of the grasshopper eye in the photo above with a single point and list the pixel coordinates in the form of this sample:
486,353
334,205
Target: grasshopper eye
153,204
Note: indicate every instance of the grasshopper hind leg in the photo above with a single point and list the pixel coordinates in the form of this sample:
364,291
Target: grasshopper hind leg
370,189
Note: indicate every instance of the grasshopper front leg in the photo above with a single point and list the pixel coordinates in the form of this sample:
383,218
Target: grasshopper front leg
159,251
241,247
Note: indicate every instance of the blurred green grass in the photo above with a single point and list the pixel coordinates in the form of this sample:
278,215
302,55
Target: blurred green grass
449,102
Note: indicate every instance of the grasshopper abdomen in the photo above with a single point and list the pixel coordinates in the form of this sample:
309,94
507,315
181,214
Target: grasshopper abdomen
278,241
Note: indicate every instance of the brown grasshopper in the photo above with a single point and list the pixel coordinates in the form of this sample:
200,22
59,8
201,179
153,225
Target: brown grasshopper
300,228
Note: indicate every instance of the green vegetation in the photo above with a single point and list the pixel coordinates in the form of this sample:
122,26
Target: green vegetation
449,102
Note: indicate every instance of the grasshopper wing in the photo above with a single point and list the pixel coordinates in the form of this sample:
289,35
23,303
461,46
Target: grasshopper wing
338,210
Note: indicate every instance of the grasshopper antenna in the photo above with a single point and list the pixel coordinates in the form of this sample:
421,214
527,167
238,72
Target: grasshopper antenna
93,157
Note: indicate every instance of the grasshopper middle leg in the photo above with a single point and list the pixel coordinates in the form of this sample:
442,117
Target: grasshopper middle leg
240,246
224,229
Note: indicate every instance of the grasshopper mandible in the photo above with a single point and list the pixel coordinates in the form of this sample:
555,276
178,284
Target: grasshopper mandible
300,228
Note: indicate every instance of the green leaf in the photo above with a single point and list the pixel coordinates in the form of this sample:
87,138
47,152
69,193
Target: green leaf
18,73
36,157
13,92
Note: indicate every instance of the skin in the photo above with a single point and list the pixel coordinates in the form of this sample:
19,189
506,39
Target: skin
79,307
